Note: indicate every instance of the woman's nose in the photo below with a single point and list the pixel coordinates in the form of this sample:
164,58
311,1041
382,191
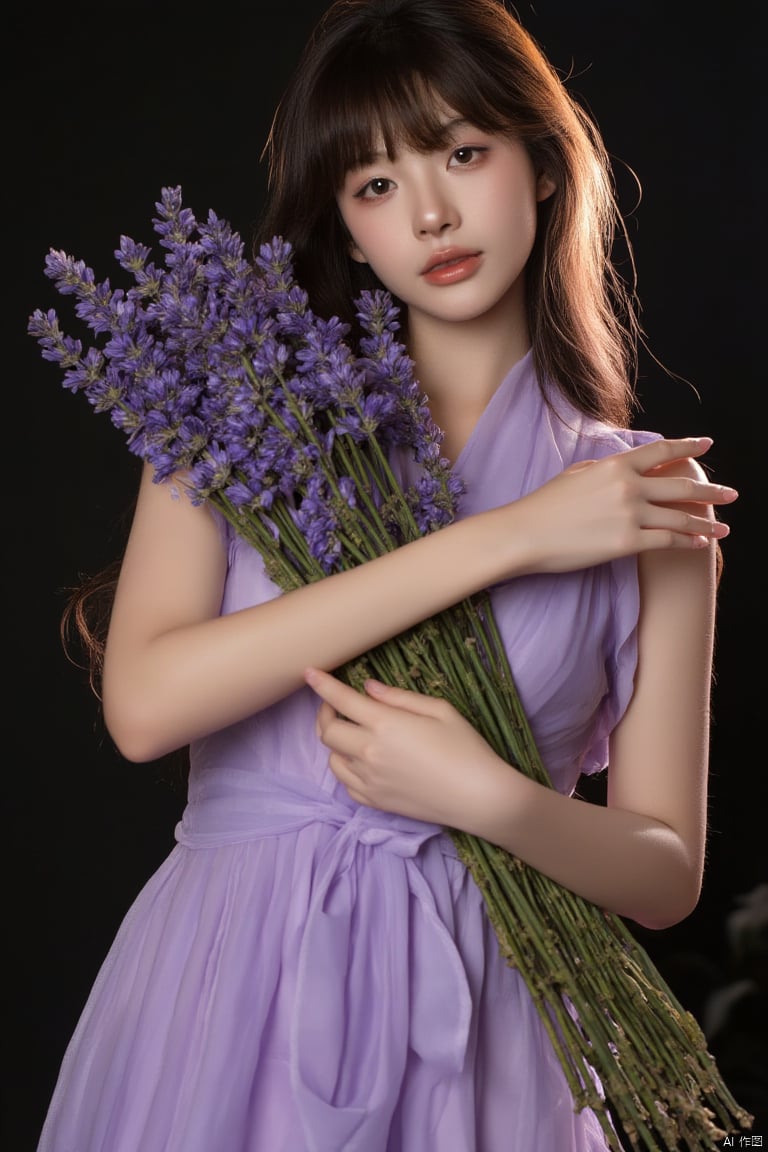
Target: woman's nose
434,212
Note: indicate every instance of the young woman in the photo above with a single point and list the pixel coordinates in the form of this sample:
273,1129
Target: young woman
312,968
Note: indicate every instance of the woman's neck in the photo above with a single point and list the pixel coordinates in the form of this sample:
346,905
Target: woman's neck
459,366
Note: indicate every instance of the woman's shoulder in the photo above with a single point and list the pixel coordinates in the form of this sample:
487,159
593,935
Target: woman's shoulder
590,436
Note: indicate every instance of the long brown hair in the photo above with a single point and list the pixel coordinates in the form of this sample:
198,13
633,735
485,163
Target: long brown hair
382,67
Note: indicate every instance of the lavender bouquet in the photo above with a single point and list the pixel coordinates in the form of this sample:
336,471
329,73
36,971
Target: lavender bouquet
217,371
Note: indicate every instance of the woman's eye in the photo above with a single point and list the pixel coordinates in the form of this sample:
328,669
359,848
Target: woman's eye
466,154
379,186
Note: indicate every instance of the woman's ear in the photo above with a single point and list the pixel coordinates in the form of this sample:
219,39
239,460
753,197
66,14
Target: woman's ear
355,253
545,186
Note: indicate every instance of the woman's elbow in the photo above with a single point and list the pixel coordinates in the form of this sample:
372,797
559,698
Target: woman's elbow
672,899
137,725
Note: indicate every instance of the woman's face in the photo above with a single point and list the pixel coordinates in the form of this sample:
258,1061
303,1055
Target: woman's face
449,232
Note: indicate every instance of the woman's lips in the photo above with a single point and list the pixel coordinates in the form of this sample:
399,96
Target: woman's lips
451,266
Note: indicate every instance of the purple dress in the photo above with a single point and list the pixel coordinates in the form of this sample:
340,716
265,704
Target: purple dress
303,974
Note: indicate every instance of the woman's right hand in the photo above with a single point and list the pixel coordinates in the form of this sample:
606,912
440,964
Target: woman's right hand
655,496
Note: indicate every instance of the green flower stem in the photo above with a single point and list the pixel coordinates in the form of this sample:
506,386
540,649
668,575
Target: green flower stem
637,1063
600,999
351,465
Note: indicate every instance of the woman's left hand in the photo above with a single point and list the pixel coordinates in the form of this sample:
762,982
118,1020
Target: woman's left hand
404,752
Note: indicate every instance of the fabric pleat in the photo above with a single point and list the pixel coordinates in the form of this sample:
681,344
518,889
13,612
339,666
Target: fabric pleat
302,974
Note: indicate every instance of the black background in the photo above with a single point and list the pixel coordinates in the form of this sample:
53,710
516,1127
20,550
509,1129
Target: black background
108,106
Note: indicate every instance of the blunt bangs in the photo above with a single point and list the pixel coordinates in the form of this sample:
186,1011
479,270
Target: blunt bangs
400,103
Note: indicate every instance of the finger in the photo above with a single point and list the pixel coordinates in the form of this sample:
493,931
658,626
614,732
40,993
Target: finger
657,452
341,766
342,737
415,702
668,449
661,489
341,697
325,715
684,523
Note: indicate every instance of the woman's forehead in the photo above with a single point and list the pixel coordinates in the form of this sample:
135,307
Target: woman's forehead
365,116
390,128
442,121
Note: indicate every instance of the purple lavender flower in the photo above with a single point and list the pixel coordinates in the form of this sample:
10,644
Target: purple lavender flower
217,366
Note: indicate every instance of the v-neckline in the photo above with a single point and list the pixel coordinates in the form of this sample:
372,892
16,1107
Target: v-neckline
505,384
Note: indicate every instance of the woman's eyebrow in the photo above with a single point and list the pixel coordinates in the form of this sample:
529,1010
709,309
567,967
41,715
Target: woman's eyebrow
457,122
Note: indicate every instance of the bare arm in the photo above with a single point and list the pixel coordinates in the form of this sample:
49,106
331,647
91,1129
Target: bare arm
643,854
175,670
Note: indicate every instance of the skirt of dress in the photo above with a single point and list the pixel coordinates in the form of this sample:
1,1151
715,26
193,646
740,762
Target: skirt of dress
312,991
